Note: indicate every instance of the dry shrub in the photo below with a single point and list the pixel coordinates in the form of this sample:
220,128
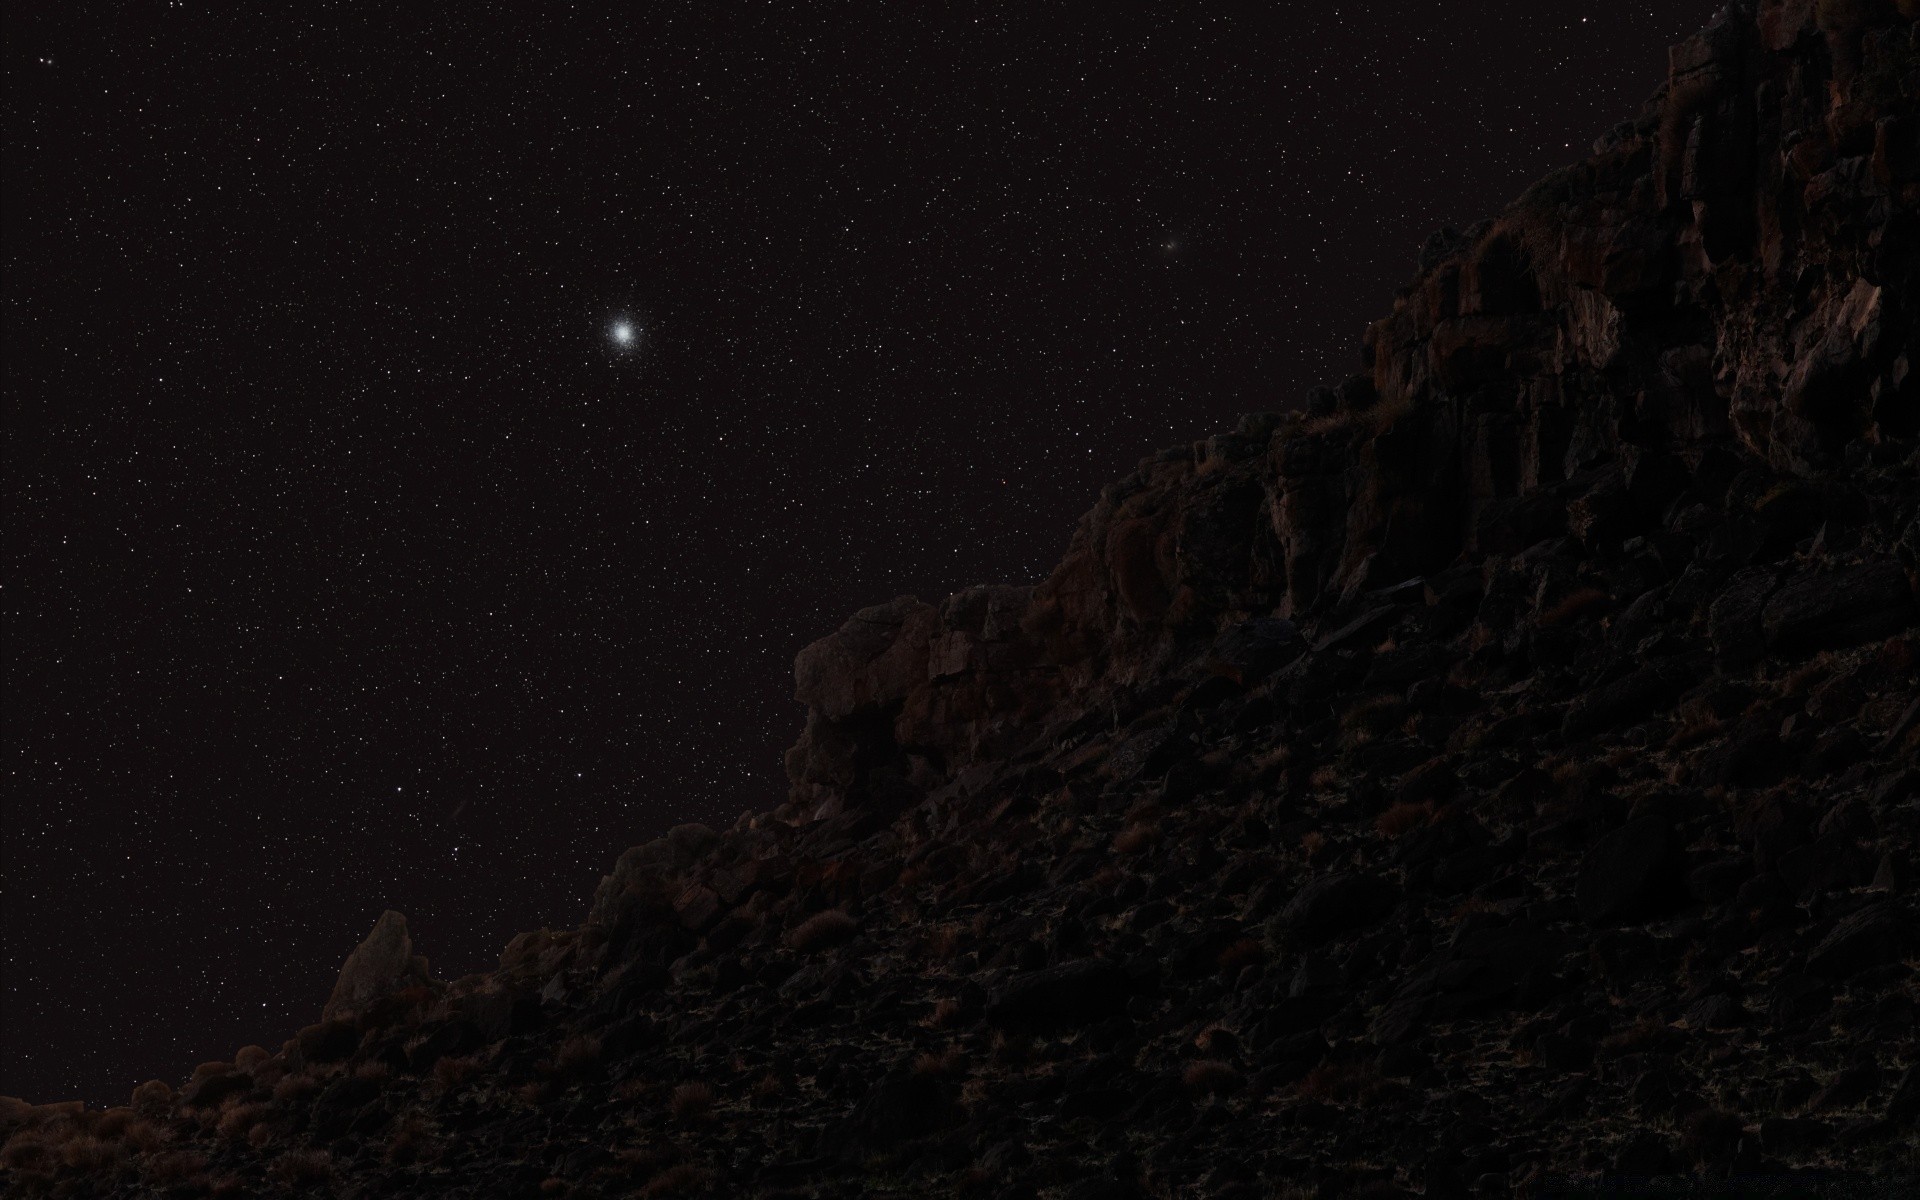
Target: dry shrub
1696,722
207,1070
260,1135
1243,953
531,1093
91,1155
15,1113
1575,605
1331,423
113,1122
28,1150
945,1012
451,1074
1370,719
1800,681
553,1185
1271,760
1342,1083
295,1088
682,1179
1210,1077
630,1089
1403,817
172,1167
691,1102
1313,844
821,930
301,1167
950,1061
1471,905
1325,777
247,1058
1136,838
648,1160
144,1137
1644,1034
766,1088
1011,1049
238,1122
578,1056
372,1072
944,942
1386,413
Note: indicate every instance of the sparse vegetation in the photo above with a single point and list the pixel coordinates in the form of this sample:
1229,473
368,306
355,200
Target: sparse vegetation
1576,605
451,1073
1244,952
822,930
1402,818
153,1098
237,1122
1210,1077
247,1058
578,1057
1341,1083
1135,839
302,1167
681,1179
691,1103
950,1061
172,1167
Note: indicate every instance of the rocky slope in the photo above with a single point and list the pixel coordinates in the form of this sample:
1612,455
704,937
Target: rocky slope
1501,771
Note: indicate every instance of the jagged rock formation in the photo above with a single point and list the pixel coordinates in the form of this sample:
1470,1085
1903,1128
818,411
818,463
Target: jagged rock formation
380,966
1502,769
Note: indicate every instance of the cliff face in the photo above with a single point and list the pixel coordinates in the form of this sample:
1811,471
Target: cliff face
1502,769
1727,285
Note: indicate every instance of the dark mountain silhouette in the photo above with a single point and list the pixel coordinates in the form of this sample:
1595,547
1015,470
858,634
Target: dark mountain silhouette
1500,771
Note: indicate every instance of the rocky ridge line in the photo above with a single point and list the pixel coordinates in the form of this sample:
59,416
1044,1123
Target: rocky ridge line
1502,770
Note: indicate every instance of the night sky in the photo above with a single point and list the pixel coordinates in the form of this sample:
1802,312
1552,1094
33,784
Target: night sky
354,560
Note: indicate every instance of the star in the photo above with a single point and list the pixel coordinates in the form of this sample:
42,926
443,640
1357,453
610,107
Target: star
622,333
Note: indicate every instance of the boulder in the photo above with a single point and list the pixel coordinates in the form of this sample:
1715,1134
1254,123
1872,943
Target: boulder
1633,873
1629,700
1074,993
1874,935
382,964
1335,904
1839,608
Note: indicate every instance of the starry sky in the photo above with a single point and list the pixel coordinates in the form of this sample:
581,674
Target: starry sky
430,437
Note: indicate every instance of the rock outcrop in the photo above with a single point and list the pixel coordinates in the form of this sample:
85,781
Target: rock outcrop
378,967
1499,772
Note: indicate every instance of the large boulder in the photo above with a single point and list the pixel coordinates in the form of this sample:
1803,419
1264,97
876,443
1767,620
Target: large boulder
383,964
1635,872
1840,608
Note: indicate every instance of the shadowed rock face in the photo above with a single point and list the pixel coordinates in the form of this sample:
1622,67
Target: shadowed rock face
1729,283
1502,769
383,964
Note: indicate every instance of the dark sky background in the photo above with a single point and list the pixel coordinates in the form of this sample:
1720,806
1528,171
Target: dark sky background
351,564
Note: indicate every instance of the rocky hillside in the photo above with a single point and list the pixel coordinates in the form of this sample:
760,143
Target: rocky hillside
1499,772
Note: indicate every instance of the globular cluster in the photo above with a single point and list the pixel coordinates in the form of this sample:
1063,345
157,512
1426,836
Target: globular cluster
438,428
